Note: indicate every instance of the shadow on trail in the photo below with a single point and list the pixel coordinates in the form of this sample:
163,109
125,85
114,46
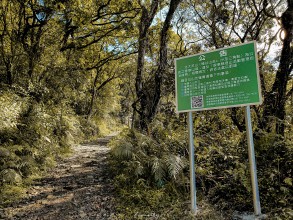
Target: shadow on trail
78,188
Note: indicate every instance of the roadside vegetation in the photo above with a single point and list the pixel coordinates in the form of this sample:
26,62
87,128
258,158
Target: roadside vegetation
152,171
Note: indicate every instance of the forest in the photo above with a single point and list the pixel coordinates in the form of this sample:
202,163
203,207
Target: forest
75,70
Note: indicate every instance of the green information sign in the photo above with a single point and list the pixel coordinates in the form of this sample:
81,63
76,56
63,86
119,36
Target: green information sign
223,78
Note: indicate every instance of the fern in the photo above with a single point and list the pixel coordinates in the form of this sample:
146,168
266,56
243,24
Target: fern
123,149
158,169
175,165
139,169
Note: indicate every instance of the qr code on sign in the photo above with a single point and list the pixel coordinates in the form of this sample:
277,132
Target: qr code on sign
197,101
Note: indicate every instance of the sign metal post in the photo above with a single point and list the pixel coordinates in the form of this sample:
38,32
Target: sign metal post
252,164
192,164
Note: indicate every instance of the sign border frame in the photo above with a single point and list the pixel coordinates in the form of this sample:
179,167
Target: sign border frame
221,107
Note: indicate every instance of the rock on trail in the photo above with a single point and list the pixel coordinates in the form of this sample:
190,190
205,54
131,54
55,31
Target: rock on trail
79,187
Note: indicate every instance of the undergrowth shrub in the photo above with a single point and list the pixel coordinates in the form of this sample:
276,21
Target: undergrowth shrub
275,173
223,172
149,172
157,163
155,160
32,136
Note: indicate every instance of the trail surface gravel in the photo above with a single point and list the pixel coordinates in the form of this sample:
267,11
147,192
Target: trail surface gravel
79,187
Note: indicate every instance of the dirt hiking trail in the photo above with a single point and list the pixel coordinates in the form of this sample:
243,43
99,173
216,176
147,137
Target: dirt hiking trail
79,187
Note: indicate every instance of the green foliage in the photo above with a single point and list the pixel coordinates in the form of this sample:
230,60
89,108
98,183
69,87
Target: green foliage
275,171
157,163
11,193
10,176
32,137
151,176
10,105
155,159
223,169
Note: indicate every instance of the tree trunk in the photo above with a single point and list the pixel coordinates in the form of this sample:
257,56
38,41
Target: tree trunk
162,60
148,98
275,100
145,23
9,79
